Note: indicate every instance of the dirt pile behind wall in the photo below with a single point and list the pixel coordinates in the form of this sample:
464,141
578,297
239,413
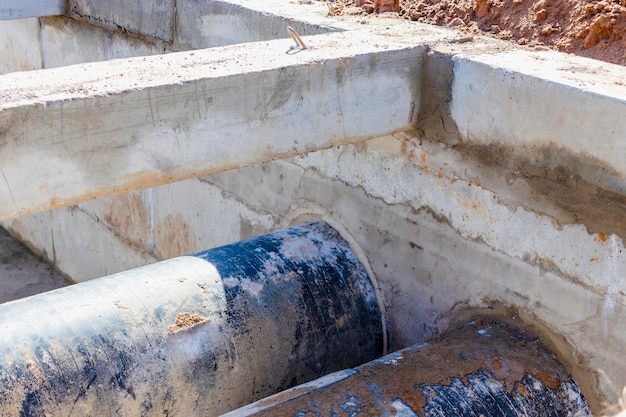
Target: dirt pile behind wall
594,29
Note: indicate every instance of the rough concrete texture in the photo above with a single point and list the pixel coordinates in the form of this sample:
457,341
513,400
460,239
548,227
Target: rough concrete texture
508,195
155,18
217,23
55,41
67,41
439,244
19,9
137,129
78,41
190,24
23,274
21,45
66,238
106,33
575,121
122,232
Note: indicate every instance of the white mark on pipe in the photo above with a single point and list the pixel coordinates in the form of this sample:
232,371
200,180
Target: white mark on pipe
390,359
253,288
230,282
291,393
402,409
303,249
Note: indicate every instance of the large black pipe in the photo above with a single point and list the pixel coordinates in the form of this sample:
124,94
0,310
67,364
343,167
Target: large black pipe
193,336
485,368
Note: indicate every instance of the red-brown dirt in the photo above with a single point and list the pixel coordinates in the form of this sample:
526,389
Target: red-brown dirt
594,29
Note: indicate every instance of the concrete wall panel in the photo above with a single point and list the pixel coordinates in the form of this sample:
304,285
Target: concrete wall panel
107,128
19,9
20,44
206,24
67,239
67,42
50,42
123,46
154,18
557,116
122,232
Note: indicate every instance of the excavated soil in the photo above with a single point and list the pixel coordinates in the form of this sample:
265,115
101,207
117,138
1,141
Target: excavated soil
186,321
594,29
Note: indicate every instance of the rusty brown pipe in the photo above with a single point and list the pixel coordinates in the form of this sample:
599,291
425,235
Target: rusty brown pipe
485,368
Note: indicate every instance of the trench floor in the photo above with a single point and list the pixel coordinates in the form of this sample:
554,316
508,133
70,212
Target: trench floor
22,273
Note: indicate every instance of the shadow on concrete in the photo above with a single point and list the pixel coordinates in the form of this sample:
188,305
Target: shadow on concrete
22,273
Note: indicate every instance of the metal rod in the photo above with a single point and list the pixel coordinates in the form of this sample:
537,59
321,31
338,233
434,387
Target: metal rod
296,38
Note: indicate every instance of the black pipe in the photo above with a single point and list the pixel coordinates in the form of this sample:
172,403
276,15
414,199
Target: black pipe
193,336
486,368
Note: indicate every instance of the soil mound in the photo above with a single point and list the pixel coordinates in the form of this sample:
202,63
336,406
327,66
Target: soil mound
594,29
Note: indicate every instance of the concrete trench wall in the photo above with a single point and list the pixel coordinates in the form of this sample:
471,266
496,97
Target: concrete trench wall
508,195
51,34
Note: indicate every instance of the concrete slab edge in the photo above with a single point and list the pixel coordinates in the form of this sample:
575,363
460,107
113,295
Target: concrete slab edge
537,104
20,9
112,127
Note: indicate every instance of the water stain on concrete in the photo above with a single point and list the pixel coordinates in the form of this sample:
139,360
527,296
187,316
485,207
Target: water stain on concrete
579,201
174,237
128,215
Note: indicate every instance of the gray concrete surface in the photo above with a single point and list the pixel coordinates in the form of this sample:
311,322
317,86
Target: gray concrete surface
193,24
19,9
21,45
55,41
155,18
23,274
97,31
504,194
576,120
219,23
143,130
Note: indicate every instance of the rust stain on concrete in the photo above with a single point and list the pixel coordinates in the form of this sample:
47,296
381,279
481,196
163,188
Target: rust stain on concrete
128,215
174,237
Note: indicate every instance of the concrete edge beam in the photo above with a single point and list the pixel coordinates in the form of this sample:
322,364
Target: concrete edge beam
88,131
545,108
221,23
19,9
155,18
